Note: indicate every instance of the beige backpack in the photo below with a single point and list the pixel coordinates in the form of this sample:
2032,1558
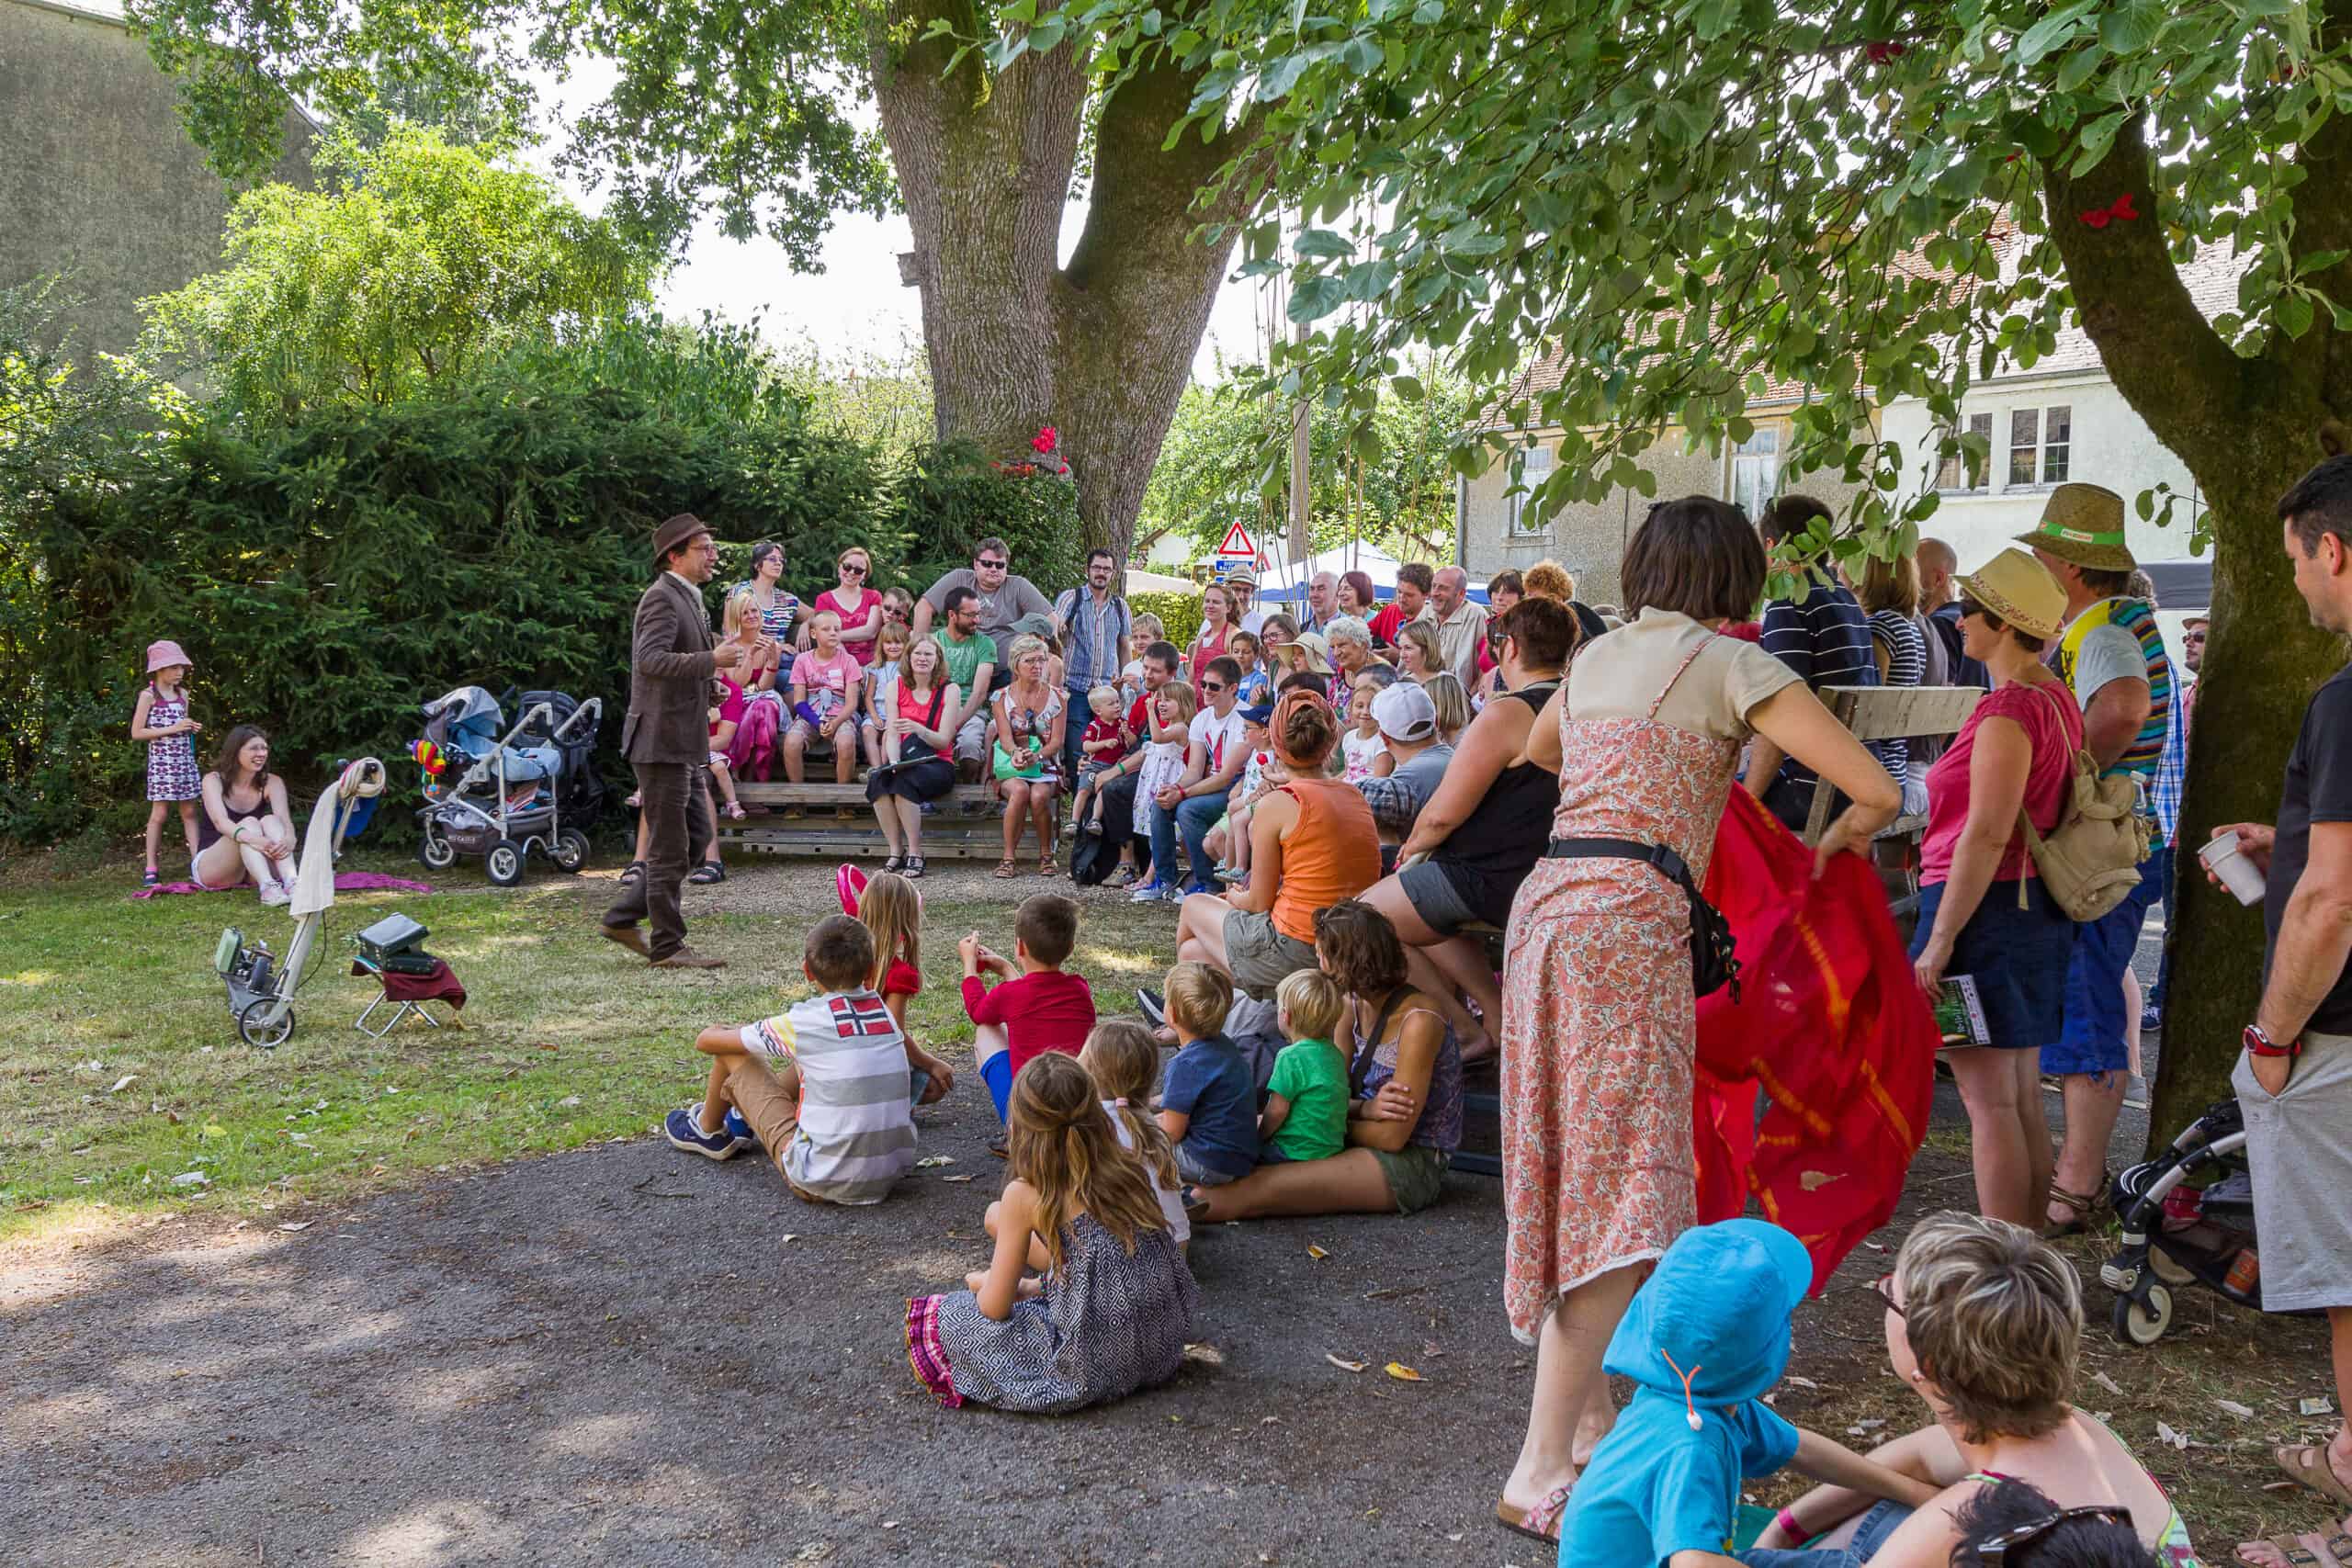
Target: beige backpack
2091,860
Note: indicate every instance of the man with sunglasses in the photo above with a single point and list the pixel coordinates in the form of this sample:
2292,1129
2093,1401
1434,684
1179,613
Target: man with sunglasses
1002,597
1190,806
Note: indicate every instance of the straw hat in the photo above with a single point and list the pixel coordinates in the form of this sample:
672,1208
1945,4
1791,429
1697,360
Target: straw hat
676,532
2083,523
162,655
1317,652
2019,590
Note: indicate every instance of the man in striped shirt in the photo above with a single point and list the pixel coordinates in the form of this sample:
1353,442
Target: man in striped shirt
823,1087
1826,638
2112,655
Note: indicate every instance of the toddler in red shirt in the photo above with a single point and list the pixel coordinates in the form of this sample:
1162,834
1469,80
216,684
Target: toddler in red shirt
1101,747
1036,1007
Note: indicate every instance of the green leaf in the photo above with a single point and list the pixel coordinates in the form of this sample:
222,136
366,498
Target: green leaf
1312,299
2129,28
2294,313
1408,388
1047,32
1322,243
2050,31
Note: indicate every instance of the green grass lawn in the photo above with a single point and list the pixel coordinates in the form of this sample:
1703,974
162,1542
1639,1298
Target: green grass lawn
567,1040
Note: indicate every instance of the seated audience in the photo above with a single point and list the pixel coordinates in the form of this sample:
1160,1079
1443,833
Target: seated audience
1305,1114
823,1086
1214,758
1405,1083
1361,748
828,704
1418,756
1123,1060
969,658
856,601
1419,654
1984,1321
892,911
918,725
1027,755
1228,842
245,828
1349,641
1451,701
1037,1006
1101,747
1209,1108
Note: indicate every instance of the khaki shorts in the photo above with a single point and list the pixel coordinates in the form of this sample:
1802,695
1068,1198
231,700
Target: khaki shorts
1259,956
773,1114
1416,1175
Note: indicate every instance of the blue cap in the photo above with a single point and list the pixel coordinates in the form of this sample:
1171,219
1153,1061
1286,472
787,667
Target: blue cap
1718,1305
1258,715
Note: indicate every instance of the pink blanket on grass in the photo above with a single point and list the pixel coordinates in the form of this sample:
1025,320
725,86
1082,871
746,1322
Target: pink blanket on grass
345,882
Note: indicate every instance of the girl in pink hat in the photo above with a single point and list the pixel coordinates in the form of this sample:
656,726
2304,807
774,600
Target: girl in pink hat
162,720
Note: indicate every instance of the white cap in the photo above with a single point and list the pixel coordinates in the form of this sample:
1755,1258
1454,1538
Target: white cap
1404,712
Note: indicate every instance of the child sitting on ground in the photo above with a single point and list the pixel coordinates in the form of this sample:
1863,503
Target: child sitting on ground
821,1085
1038,1008
1209,1110
1704,1340
892,911
1114,1306
1102,745
1230,839
1123,1061
1306,1100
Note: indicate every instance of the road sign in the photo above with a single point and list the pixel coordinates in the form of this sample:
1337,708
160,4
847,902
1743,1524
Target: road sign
1237,543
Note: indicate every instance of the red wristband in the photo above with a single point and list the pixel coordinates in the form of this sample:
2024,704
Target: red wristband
1789,1528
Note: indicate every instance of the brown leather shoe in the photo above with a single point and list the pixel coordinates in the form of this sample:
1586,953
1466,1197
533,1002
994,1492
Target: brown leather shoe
628,937
687,958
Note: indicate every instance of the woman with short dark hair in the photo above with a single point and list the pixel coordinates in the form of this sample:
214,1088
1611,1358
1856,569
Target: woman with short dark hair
1599,1019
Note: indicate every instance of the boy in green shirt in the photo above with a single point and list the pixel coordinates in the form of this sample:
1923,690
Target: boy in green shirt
1307,1106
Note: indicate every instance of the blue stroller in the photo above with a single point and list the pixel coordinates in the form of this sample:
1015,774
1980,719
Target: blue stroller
501,793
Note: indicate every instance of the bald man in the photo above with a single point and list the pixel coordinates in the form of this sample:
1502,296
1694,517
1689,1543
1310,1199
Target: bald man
1461,624
1937,563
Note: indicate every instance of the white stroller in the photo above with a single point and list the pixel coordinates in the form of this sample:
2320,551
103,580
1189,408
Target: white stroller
261,985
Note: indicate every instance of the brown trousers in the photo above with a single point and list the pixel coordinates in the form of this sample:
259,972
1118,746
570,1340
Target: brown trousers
677,816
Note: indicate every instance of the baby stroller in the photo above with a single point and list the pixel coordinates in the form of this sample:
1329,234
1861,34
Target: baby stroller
501,796
262,985
2177,1235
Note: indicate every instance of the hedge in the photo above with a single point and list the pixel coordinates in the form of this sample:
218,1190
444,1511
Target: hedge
1179,611
328,578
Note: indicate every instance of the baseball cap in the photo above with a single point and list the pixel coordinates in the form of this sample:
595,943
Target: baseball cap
1404,712
1259,713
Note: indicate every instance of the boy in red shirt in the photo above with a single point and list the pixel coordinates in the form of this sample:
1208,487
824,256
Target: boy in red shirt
1102,747
1036,1007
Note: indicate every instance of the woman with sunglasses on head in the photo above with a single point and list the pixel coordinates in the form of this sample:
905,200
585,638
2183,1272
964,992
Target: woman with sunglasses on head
1984,911
777,606
856,601
1985,1321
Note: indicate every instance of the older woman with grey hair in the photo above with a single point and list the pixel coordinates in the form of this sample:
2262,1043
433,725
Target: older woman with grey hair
1350,641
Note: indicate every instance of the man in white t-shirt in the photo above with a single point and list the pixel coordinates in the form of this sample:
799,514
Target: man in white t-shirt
1190,807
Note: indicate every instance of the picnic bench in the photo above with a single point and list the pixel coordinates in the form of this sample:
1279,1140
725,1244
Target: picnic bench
964,823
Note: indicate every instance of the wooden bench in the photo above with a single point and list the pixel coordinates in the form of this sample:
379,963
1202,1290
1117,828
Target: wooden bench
964,824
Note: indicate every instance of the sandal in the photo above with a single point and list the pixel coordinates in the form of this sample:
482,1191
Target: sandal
1005,869
2086,1207
914,868
735,812
633,873
2307,1464
710,871
2292,1551
894,863
150,878
1045,867
1124,877
1541,1522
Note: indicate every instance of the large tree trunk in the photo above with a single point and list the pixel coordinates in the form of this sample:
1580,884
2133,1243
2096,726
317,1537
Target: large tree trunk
2247,428
1101,349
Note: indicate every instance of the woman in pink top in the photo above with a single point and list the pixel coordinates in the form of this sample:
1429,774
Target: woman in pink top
1982,910
858,606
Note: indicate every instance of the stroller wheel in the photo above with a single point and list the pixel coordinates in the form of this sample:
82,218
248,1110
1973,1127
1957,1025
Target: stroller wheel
2142,1322
504,863
253,1026
571,850
436,853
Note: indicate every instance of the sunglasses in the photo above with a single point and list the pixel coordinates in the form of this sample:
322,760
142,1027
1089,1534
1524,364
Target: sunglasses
850,570
1212,687
993,565
1995,1550
1886,1289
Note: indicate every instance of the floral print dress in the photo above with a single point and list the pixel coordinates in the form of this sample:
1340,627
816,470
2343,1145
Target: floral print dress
172,773
1600,1022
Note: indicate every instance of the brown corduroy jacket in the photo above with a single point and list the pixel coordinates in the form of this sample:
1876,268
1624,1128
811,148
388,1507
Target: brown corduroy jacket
669,676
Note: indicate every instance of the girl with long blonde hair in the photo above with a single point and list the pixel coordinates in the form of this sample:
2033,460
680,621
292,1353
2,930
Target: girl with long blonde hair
892,911
1123,1060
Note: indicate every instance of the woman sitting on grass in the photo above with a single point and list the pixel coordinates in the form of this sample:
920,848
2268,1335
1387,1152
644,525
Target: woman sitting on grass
1404,1073
245,828
1985,1321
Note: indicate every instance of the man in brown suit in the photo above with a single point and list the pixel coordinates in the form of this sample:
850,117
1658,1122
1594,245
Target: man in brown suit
667,739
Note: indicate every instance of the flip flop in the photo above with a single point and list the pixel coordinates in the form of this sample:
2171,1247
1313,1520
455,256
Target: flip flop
2291,1549
1541,1522
2307,1464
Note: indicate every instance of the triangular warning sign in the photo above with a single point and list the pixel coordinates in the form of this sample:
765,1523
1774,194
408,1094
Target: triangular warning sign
1237,543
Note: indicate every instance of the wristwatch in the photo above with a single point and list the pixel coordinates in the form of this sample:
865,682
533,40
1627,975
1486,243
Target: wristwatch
2257,1044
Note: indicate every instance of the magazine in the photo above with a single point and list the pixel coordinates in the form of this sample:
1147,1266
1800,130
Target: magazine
1960,1012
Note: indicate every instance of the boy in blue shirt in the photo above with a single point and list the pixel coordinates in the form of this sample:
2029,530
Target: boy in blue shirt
1209,1105
1704,1340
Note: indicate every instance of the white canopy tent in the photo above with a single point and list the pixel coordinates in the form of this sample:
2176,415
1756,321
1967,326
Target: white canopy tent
1285,582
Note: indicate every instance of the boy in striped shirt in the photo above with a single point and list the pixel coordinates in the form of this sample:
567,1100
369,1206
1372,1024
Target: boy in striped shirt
823,1087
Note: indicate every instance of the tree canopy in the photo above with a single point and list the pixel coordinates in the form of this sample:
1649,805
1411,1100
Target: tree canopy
415,261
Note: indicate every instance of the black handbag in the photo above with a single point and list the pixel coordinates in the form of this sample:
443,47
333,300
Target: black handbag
1713,964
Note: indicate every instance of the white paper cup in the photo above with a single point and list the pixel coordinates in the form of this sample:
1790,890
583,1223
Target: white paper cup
2236,873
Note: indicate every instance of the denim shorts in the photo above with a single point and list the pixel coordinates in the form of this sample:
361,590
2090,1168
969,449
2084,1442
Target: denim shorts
1882,1521
2090,1038
2018,957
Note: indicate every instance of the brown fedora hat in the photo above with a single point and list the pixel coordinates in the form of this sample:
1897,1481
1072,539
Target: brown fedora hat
2083,523
676,532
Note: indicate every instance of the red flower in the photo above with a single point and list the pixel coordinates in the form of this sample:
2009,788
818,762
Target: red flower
2122,207
1880,53
1046,440
2097,219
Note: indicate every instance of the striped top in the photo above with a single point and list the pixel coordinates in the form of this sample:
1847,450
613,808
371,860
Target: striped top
856,1132
2096,648
1907,665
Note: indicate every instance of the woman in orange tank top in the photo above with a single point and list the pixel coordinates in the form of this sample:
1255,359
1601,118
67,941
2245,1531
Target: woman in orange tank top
1312,843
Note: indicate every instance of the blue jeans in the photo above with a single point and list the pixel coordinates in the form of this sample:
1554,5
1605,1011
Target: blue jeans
1193,819
1877,1525
1076,717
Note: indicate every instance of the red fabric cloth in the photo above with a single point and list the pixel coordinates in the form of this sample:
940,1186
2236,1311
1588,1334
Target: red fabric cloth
1385,624
1048,1011
438,987
1830,1024
345,882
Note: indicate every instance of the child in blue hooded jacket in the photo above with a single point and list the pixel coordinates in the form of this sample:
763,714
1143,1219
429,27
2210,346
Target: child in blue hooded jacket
1704,1340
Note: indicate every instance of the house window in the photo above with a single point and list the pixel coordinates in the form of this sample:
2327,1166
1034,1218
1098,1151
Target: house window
2057,436
1532,472
2025,445
1954,474
1755,472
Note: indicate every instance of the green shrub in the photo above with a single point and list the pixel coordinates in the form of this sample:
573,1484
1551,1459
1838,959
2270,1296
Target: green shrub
1178,613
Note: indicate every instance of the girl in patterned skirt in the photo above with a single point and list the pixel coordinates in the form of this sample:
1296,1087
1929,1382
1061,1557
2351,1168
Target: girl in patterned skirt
1114,1305
162,720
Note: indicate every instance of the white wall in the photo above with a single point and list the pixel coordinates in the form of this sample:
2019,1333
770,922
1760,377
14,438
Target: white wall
2112,446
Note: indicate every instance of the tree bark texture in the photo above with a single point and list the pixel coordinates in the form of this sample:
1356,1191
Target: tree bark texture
1100,349
2247,428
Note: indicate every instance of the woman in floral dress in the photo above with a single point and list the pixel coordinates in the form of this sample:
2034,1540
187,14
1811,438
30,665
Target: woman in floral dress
1599,1025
